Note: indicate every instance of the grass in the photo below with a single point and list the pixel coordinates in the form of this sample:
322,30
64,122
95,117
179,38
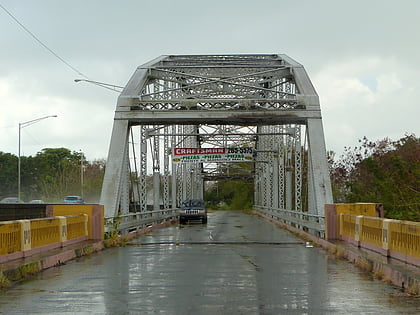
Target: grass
4,281
379,274
413,288
115,240
365,264
340,252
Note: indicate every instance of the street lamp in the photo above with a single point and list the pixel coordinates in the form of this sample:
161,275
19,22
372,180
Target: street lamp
23,125
108,86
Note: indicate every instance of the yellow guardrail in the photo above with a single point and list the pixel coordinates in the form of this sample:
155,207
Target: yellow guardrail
76,226
401,237
348,225
371,231
23,235
95,215
333,211
366,209
405,237
45,231
10,237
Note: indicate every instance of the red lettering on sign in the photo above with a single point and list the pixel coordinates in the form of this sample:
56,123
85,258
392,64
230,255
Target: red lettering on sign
190,151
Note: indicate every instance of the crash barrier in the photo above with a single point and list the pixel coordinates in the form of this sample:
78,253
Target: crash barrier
312,223
361,208
392,238
94,212
26,211
135,221
332,212
24,238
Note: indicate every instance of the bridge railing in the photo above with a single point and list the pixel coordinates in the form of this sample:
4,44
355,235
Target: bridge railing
312,223
138,220
22,238
392,238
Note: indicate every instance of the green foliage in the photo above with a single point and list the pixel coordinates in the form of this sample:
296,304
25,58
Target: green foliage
8,175
384,172
4,281
59,171
51,175
113,228
113,237
236,195
93,178
232,194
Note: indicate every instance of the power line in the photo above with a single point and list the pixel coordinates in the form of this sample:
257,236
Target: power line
42,44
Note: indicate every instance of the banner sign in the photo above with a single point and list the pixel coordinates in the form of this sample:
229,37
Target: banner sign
212,155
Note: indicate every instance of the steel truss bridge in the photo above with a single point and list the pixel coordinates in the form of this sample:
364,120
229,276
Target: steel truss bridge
264,102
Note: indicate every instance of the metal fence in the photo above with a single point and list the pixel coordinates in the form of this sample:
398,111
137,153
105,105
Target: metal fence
138,220
312,223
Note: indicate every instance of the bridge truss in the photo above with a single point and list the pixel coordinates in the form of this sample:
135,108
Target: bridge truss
266,102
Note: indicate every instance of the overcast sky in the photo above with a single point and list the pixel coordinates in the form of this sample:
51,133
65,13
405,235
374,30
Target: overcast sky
361,55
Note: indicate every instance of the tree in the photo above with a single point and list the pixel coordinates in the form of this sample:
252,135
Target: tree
51,174
8,175
58,173
385,172
232,194
93,178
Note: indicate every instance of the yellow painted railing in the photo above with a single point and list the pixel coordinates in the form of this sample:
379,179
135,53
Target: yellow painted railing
76,226
371,231
95,215
45,231
23,235
348,225
367,209
402,237
405,237
10,237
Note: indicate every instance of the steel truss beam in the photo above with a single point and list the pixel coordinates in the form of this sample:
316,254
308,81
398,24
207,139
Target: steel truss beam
263,101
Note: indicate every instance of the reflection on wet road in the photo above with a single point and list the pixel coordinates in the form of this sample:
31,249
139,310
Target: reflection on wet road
236,264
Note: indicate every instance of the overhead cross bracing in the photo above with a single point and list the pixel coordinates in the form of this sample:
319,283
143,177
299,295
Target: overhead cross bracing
266,102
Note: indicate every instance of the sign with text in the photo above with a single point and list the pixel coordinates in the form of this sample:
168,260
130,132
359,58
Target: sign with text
212,155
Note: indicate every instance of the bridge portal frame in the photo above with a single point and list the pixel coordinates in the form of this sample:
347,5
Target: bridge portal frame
270,92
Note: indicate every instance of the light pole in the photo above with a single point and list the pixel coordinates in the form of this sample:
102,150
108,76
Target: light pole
108,86
23,125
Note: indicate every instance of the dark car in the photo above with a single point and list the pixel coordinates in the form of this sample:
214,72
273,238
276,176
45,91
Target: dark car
74,200
11,200
193,209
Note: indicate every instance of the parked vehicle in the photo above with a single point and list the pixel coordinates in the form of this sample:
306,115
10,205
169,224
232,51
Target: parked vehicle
37,201
193,209
11,200
74,200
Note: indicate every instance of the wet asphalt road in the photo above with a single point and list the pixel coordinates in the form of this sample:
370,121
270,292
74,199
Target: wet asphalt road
236,264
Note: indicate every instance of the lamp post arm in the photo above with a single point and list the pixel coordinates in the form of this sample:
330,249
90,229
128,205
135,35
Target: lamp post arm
112,87
33,121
